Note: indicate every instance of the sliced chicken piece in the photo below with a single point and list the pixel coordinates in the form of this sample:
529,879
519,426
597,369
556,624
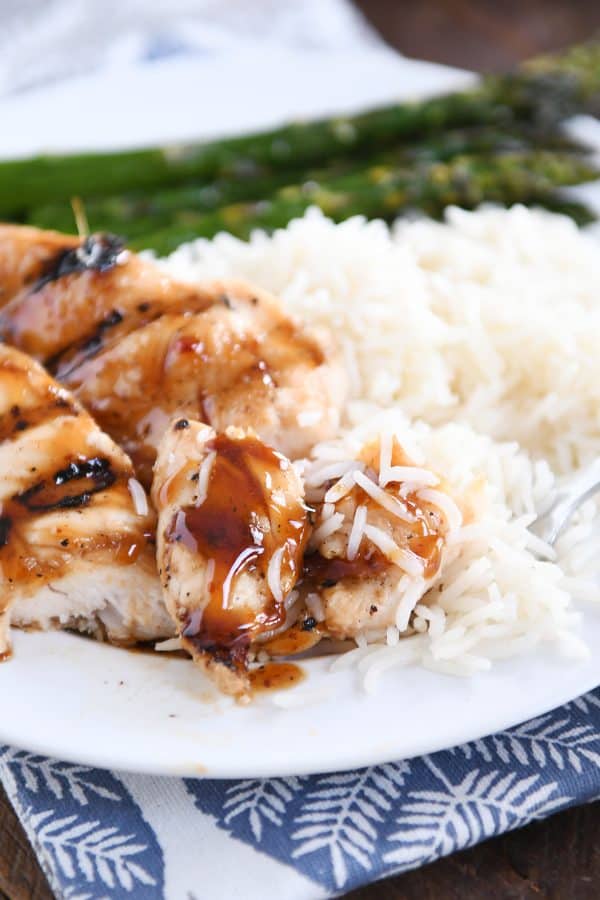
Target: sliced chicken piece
76,532
26,254
82,298
232,527
140,347
380,538
241,362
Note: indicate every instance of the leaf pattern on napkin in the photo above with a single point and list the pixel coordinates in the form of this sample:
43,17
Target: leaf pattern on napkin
92,838
449,815
85,848
260,799
343,815
346,829
338,830
548,739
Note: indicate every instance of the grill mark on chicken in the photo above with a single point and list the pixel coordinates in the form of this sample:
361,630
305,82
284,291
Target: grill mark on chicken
66,509
92,475
183,302
117,325
138,347
5,526
69,483
19,419
64,362
97,253
77,289
35,406
24,254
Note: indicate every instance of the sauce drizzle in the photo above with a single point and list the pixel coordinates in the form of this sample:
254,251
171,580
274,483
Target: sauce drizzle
275,676
237,529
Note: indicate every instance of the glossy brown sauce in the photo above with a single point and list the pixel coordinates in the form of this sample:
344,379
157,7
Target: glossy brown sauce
64,480
28,398
85,301
275,676
293,641
71,487
422,537
238,527
320,573
205,355
122,320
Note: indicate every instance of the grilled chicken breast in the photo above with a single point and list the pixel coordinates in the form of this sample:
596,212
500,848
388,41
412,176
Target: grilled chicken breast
76,532
232,527
25,255
138,348
84,297
241,362
380,538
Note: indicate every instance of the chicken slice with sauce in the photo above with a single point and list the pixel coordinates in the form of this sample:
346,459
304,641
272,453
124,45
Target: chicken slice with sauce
241,362
232,526
26,253
66,298
138,347
76,533
380,539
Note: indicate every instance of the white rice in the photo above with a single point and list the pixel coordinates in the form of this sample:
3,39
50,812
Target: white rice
274,574
138,497
204,474
357,532
476,341
491,320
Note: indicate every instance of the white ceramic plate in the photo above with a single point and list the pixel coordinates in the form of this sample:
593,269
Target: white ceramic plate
72,698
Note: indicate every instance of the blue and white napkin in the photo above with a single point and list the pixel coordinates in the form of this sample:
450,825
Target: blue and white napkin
103,834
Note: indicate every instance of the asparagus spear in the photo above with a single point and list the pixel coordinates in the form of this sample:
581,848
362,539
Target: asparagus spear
134,214
24,183
384,192
577,68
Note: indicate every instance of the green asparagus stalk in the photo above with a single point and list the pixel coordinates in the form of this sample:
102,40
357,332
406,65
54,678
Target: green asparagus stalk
29,182
134,214
499,99
578,68
385,192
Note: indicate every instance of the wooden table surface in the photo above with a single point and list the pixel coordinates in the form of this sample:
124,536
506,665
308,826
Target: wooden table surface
558,858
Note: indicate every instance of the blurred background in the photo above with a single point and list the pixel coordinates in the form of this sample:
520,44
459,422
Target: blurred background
42,40
486,35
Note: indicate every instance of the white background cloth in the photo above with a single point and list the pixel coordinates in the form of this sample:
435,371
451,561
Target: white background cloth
43,40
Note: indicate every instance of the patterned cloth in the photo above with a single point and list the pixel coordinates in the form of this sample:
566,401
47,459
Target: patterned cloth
102,834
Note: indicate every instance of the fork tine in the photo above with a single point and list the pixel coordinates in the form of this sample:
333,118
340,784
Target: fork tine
582,485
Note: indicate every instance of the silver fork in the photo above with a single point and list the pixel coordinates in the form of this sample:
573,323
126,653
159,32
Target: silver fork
582,485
